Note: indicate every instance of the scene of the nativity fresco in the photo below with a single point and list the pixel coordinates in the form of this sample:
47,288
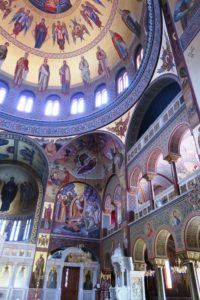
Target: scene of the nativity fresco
99,150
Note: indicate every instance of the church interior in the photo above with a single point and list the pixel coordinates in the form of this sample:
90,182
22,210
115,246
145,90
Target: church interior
100,150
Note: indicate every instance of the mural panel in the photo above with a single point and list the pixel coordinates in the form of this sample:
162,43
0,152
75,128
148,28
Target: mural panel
19,191
77,211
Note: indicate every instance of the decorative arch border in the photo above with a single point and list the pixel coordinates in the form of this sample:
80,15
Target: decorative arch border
111,112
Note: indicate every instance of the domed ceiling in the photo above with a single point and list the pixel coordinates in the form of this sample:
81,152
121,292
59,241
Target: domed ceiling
58,30
63,47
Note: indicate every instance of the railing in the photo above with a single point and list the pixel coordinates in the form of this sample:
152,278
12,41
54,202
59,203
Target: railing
168,195
165,116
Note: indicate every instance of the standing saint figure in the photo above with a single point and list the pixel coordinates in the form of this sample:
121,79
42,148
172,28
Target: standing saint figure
40,33
47,217
3,52
8,194
119,45
21,70
65,78
85,71
103,67
130,20
43,78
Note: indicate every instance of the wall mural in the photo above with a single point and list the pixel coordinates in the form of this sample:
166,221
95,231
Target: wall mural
91,156
19,191
77,211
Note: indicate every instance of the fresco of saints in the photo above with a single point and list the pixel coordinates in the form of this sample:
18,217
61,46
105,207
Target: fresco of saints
90,13
22,21
184,11
85,71
43,78
65,78
21,70
8,194
119,45
130,20
103,67
40,33
3,52
60,34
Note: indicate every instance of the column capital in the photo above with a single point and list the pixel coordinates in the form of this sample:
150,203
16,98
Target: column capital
149,176
172,157
139,266
158,262
133,189
189,256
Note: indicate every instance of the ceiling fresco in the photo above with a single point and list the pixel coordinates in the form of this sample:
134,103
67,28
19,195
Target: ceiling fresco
84,39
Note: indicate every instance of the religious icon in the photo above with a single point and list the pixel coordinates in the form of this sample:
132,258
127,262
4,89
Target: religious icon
90,13
38,270
52,279
3,52
43,240
47,216
87,284
21,70
43,78
22,21
8,194
119,45
103,67
60,34
65,78
176,218
85,71
26,195
149,230
130,20
52,6
40,33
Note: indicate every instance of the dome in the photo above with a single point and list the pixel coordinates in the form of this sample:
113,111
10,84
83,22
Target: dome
73,49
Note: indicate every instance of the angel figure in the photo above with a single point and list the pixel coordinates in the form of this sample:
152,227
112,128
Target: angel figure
5,7
78,30
22,21
60,33
90,13
167,58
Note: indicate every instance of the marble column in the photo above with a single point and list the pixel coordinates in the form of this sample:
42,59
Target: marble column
160,283
193,281
172,159
149,178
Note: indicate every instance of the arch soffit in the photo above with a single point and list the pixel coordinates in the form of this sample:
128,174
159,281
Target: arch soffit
138,250
135,176
141,107
191,232
176,138
161,240
152,160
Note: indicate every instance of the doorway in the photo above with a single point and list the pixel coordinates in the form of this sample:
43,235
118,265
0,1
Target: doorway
70,283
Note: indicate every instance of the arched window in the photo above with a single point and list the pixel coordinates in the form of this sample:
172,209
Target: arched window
25,102
77,104
52,107
122,81
139,56
101,96
3,91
